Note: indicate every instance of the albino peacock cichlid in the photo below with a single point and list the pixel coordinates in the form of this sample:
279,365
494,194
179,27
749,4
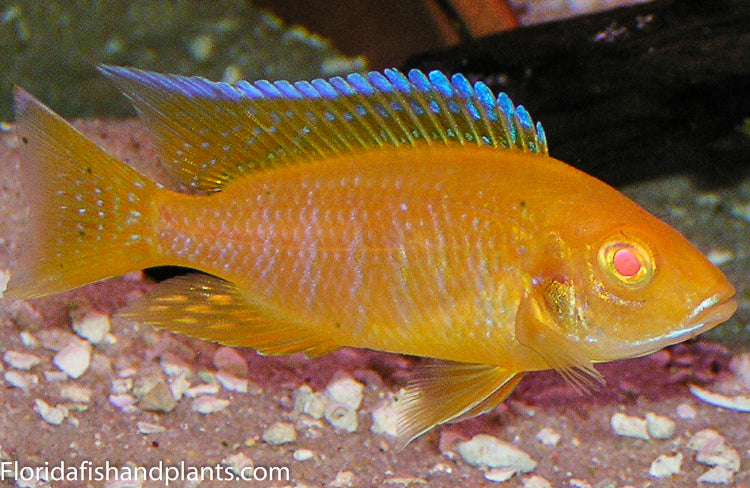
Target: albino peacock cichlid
411,214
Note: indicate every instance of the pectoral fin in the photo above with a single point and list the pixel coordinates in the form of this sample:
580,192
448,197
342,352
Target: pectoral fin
561,354
210,308
443,392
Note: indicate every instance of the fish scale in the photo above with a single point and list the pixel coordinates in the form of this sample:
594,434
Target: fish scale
413,214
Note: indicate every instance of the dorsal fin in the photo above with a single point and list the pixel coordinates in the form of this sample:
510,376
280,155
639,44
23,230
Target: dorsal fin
209,133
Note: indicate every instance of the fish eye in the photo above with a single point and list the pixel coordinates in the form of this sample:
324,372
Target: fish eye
629,262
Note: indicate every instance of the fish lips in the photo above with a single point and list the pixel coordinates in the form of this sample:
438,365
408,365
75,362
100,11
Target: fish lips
711,312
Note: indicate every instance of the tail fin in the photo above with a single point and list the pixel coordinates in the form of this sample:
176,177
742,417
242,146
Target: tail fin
89,213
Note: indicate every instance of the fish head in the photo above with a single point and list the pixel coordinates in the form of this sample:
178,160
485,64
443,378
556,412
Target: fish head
625,289
647,287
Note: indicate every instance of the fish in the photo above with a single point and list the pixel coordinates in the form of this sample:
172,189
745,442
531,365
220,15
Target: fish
410,213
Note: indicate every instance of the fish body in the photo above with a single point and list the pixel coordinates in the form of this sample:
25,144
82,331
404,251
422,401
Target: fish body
412,215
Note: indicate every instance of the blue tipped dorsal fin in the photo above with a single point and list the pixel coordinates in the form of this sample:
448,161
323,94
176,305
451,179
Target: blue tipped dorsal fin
209,133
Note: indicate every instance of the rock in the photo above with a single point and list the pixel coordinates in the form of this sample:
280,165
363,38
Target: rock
203,389
74,359
665,466
346,390
51,415
548,437
209,404
486,450
92,326
385,419
629,426
229,360
536,482
343,479
309,402
499,474
21,360
20,380
713,450
659,427
123,401
178,385
341,416
302,454
149,428
154,395
279,433
686,412
717,475
76,393
231,382
238,463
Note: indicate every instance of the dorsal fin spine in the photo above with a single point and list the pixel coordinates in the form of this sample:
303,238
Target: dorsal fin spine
402,87
422,85
445,111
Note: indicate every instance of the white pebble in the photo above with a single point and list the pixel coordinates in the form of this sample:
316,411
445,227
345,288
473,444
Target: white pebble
665,466
536,482
279,433
28,339
548,437
345,389
124,402
203,389
713,450
499,474
74,359
209,404
4,278
121,385
238,462
56,376
486,450
174,366
659,427
720,475
719,256
686,412
343,479
629,426
92,326
576,483
51,415
231,382
149,428
385,419
21,360
178,385
20,380
341,416
302,454
740,366
76,393
309,402
740,403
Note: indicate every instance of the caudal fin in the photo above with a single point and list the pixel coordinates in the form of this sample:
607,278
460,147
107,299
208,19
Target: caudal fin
88,212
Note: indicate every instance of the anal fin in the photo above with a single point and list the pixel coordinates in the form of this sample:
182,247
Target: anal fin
446,391
213,309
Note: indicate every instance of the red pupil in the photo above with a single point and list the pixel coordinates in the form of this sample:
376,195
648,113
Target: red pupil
626,263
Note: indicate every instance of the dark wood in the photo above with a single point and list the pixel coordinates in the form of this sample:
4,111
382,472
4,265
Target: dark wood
630,93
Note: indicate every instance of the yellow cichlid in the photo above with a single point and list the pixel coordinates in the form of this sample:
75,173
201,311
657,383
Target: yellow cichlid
410,214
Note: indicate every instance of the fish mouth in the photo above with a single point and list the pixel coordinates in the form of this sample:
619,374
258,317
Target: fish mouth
711,312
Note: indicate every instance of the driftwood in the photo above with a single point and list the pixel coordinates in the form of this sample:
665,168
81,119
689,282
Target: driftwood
631,93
